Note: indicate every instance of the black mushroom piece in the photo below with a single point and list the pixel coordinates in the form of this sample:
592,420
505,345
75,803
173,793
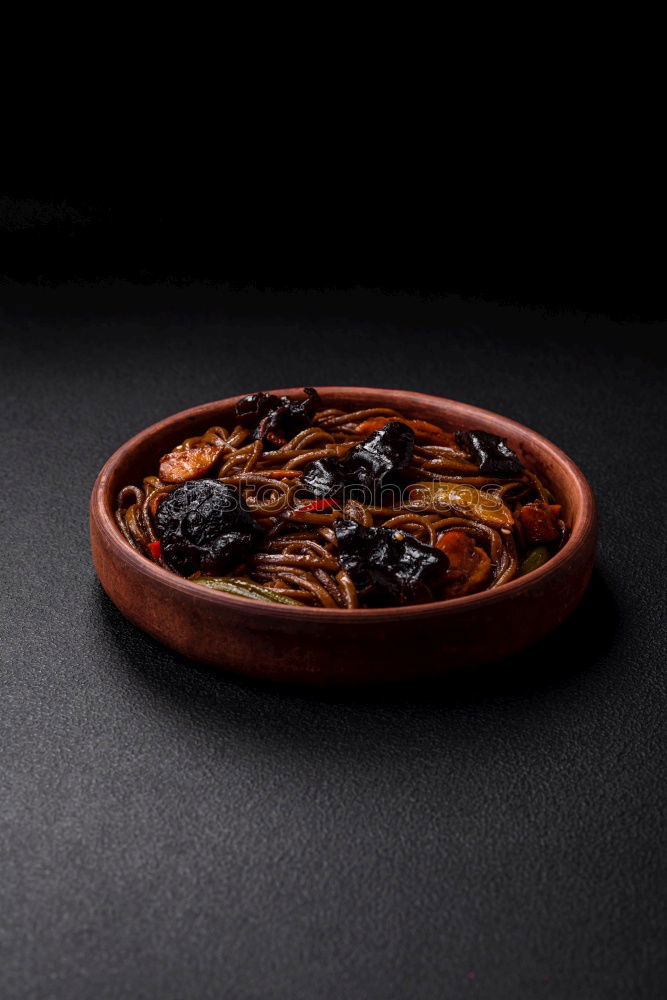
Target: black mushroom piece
204,526
368,467
492,453
276,419
387,565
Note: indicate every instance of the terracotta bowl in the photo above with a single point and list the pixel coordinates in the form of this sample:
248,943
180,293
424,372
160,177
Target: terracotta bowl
333,646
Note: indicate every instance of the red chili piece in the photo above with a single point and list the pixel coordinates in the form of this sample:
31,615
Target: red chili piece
539,521
317,505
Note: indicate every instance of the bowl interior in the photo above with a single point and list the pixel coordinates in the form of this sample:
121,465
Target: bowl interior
339,645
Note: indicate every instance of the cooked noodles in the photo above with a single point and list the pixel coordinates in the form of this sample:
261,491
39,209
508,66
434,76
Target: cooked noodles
310,504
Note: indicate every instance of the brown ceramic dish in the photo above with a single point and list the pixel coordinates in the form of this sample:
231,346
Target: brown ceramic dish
326,645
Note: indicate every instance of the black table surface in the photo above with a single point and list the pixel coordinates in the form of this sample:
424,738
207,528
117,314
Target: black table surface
172,831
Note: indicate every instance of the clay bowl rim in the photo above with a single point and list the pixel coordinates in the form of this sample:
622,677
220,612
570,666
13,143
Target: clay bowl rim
584,517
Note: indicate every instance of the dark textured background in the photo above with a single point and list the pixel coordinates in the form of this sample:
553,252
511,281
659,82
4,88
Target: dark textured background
169,831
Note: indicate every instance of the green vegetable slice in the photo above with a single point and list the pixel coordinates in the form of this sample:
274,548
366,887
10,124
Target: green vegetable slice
245,588
534,559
